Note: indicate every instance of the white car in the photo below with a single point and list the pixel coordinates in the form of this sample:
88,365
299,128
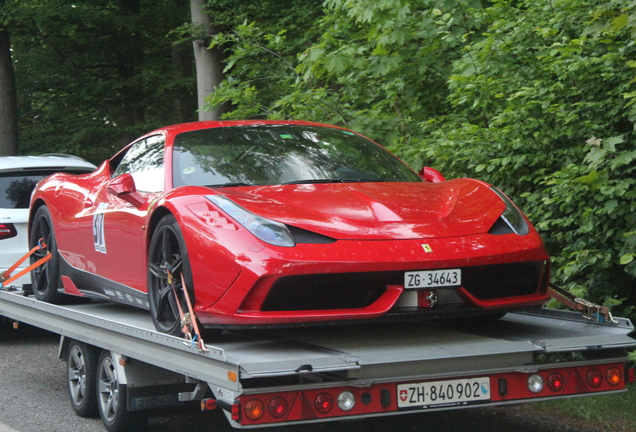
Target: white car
18,177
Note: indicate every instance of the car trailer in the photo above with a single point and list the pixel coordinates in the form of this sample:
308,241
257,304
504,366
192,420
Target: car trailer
120,367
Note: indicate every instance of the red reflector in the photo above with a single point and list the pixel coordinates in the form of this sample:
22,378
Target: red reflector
7,230
555,381
594,378
277,407
236,412
323,403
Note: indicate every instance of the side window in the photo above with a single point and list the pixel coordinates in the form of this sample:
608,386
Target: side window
144,161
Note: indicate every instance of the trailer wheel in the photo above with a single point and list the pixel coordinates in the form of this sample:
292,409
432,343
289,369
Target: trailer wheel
112,399
81,370
46,278
167,247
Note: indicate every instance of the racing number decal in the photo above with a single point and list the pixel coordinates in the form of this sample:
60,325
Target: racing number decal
98,229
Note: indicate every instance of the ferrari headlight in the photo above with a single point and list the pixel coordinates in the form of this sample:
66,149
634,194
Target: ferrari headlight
272,232
512,216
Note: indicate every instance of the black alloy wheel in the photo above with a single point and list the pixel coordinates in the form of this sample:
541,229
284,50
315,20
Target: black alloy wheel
168,255
45,279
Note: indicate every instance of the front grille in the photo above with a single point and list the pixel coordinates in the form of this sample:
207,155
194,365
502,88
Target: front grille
328,291
502,280
359,290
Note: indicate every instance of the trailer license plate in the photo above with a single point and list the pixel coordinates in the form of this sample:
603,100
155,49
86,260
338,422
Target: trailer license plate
444,393
433,278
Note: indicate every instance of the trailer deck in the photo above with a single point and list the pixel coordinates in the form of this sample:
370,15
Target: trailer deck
381,358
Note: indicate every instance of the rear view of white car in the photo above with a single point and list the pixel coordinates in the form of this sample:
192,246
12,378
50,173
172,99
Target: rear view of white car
18,177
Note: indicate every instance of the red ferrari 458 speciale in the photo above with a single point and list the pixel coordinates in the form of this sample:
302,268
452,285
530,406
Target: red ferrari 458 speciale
282,223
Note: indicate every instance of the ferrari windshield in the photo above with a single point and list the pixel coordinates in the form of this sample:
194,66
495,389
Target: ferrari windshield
281,154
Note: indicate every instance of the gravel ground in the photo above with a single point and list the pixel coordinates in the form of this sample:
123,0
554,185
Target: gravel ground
34,398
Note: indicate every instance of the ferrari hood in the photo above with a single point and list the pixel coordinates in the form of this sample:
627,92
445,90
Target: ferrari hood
372,211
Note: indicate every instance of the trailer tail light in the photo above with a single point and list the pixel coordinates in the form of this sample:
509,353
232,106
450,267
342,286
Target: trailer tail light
346,401
208,404
277,407
535,383
323,403
7,230
555,381
594,378
254,409
614,376
330,403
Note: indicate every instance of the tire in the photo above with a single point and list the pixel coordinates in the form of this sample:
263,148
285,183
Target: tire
81,367
112,399
45,279
168,247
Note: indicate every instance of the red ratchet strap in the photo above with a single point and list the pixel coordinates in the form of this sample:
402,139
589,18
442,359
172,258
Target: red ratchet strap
6,278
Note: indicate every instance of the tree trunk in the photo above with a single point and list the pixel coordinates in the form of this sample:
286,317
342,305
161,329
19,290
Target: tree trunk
209,65
8,99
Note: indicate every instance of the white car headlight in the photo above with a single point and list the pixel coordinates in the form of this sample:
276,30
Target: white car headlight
272,232
512,216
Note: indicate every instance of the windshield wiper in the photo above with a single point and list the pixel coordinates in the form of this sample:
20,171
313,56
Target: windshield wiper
359,180
338,180
311,181
229,184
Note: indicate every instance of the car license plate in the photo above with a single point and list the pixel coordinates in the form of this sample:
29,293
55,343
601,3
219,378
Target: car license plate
433,278
444,393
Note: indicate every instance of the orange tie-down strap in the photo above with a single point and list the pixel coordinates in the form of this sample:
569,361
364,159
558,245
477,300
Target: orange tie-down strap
6,278
601,314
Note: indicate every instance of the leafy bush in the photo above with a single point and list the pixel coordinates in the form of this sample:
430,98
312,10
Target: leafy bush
536,97
543,108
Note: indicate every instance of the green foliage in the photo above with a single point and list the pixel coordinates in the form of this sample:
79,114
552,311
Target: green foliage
366,69
91,75
541,107
261,42
536,97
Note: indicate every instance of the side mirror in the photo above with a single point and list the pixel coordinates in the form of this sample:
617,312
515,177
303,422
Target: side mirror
123,187
431,175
